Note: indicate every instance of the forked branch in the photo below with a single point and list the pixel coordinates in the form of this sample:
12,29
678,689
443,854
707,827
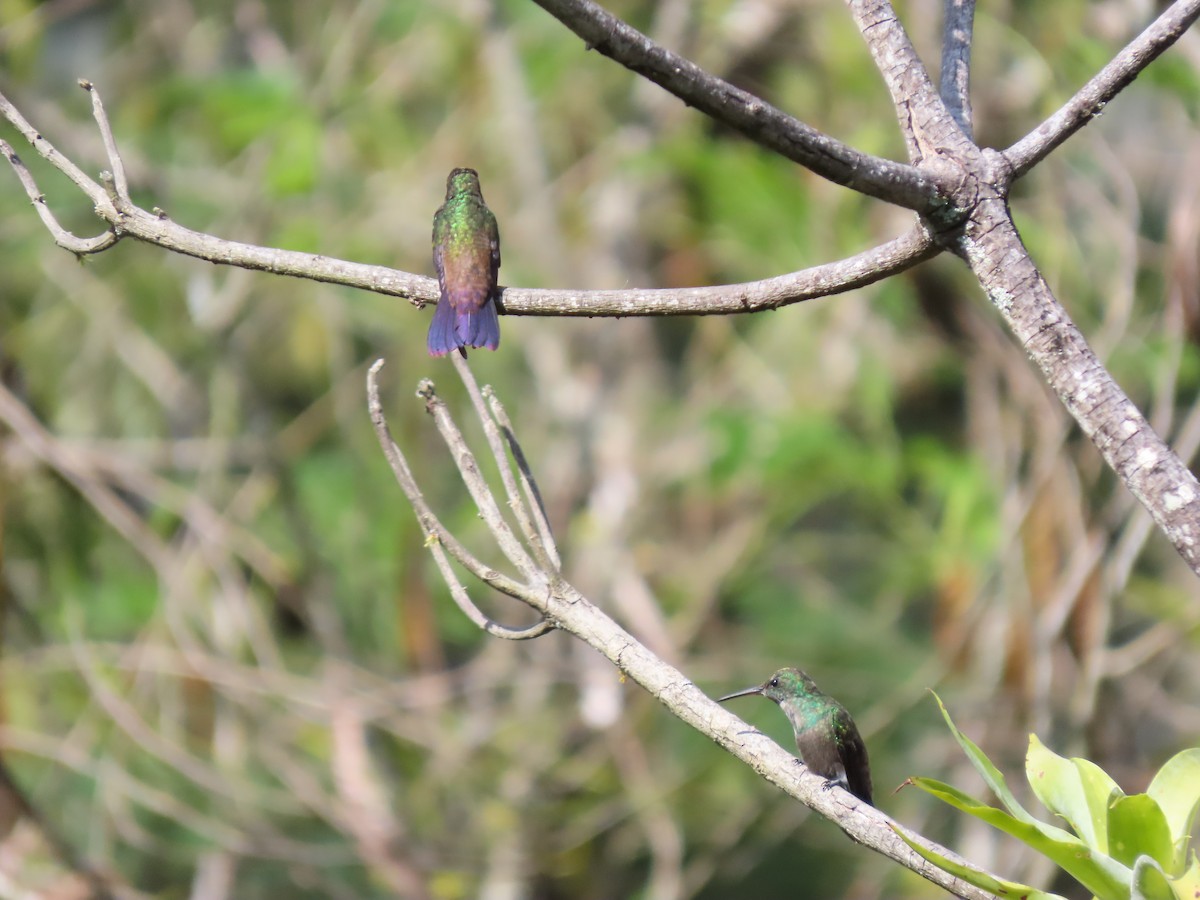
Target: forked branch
562,606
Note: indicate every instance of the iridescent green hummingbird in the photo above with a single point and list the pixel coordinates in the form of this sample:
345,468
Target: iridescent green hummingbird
466,254
826,736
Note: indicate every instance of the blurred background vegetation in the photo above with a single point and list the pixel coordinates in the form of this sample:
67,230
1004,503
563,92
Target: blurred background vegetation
228,666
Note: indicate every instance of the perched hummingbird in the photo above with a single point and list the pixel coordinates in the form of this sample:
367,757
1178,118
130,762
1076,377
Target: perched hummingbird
826,736
466,254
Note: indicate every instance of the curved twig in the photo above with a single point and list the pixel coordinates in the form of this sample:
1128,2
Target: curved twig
156,227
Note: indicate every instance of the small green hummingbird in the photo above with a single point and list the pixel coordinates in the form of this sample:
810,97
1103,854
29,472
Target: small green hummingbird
466,254
826,736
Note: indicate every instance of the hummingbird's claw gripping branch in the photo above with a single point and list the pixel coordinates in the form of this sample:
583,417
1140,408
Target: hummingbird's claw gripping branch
441,541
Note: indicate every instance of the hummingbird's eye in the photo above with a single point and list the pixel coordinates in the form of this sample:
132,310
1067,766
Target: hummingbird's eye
774,682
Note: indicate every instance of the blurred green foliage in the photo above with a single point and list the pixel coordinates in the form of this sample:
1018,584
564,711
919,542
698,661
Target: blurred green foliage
226,654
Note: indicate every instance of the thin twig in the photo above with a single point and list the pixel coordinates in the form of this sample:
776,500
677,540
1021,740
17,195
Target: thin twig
120,191
481,494
533,496
958,23
440,537
62,237
533,535
1090,100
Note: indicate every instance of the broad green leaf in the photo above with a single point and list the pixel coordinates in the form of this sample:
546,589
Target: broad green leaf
1176,788
1099,873
984,880
1149,882
1076,790
1138,828
983,765
1187,885
1100,790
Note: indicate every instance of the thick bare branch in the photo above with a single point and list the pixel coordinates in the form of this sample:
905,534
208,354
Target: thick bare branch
1091,99
752,116
1152,472
958,23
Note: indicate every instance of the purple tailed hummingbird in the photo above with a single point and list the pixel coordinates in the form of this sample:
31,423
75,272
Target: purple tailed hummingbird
466,254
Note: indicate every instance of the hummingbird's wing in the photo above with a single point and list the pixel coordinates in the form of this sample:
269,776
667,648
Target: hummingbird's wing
856,769
834,750
443,336
494,235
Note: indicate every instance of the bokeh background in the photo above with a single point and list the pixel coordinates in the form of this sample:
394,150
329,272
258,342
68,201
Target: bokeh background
228,666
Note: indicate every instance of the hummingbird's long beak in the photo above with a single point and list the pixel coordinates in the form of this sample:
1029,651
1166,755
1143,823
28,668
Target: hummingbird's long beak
757,689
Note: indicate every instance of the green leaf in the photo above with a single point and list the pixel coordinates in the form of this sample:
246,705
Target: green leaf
1101,791
979,879
1187,885
1176,788
1100,874
983,765
1149,882
1077,790
1137,828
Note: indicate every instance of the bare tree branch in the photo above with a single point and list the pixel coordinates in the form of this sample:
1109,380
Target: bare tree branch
439,536
537,537
155,227
1091,99
560,603
924,119
752,116
904,252
1130,446
958,22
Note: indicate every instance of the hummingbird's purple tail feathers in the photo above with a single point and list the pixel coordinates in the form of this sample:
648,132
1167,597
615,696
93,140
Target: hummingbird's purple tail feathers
442,332
480,328
457,328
